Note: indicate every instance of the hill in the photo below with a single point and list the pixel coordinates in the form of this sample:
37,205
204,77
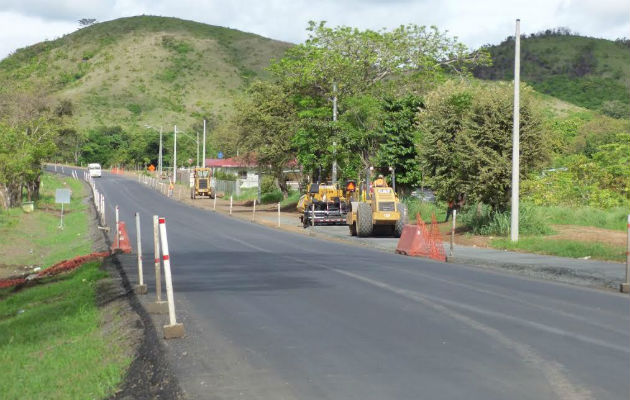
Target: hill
143,70
589,72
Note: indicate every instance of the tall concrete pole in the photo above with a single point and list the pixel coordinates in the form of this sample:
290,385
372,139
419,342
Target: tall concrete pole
160,156
334,166
175,154
515,134
204,144
197,148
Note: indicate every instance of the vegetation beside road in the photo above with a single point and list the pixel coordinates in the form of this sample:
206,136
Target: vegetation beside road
52,343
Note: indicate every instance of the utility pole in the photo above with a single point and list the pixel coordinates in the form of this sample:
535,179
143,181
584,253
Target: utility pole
197,148
334,166
515,134
175,154
204,143
160,156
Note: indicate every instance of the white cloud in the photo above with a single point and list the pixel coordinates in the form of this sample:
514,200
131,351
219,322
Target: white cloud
474,22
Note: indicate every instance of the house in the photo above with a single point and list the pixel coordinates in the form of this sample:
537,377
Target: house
245,171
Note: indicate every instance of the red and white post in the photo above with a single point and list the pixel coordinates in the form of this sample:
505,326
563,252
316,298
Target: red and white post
117,228
173,330
140,288
159,307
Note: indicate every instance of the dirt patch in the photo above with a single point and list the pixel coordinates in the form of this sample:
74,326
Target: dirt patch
589,234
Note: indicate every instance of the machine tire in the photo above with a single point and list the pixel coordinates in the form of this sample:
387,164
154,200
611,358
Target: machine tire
353,228
400,224
192,193
305,220
365,227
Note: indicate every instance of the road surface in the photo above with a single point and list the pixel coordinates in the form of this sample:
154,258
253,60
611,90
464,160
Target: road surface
274,315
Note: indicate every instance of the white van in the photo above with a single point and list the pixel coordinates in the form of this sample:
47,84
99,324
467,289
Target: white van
95,170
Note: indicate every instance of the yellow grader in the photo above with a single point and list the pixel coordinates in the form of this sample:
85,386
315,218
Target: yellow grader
200,181
376,210
323,205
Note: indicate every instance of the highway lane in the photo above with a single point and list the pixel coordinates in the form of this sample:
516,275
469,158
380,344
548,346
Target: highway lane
275,315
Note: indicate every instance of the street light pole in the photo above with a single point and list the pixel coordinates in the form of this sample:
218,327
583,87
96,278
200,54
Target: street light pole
197,148
175,154
515,134
204,144
334,166
160,156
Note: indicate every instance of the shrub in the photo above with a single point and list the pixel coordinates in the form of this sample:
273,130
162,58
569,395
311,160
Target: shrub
268,184
489,222
272,197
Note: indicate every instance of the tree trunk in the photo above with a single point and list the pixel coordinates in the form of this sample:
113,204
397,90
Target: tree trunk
282,184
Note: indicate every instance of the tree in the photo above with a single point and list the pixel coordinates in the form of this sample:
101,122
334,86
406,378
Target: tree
400,136
86,21
28,130
360,68
266,123
466,141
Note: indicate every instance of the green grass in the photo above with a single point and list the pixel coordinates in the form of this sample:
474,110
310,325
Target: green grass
426,210
51,344
35,239
562,248
614,218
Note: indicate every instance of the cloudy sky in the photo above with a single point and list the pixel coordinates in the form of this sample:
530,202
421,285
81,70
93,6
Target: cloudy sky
475,22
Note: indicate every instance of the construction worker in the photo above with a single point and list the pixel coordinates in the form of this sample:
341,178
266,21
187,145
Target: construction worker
380,182
171,187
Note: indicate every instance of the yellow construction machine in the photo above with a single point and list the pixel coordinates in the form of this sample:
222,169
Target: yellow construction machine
376,210
323,205
200,183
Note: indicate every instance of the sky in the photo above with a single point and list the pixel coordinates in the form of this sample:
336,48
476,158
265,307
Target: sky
474,22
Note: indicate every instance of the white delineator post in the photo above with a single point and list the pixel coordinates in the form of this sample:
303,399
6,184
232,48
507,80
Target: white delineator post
313,216
117,228
140,288
254,212
453,232
230,204
103,220
515,134
278,214
625,287
159,306
214,202
174,329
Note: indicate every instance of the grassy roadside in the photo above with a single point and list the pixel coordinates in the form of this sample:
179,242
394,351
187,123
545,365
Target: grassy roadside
562,248
52,343
35,239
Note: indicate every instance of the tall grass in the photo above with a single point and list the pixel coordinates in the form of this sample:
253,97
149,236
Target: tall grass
425,209
488,222
563,248
613,218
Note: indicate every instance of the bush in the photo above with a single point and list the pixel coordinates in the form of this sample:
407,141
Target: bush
224,176
489,222
268,184
426,210
272,197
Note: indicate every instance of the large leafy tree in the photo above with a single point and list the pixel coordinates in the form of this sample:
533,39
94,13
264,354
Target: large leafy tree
360,68
466,144
266,122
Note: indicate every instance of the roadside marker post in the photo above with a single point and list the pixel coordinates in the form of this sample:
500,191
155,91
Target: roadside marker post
214,202
117,228
254,211
453,232
230,204
140,288
173,330
278,214
313,216
625,287
159,306
103,220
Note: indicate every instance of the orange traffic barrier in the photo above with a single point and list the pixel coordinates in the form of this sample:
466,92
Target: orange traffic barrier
417,241
122,239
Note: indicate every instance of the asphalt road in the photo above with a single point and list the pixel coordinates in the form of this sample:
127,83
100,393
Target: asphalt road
274,315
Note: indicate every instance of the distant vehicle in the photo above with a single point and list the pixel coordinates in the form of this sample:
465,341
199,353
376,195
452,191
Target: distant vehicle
425,195
95,170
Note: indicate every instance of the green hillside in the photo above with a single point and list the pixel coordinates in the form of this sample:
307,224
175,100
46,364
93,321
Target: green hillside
143,70
589,72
